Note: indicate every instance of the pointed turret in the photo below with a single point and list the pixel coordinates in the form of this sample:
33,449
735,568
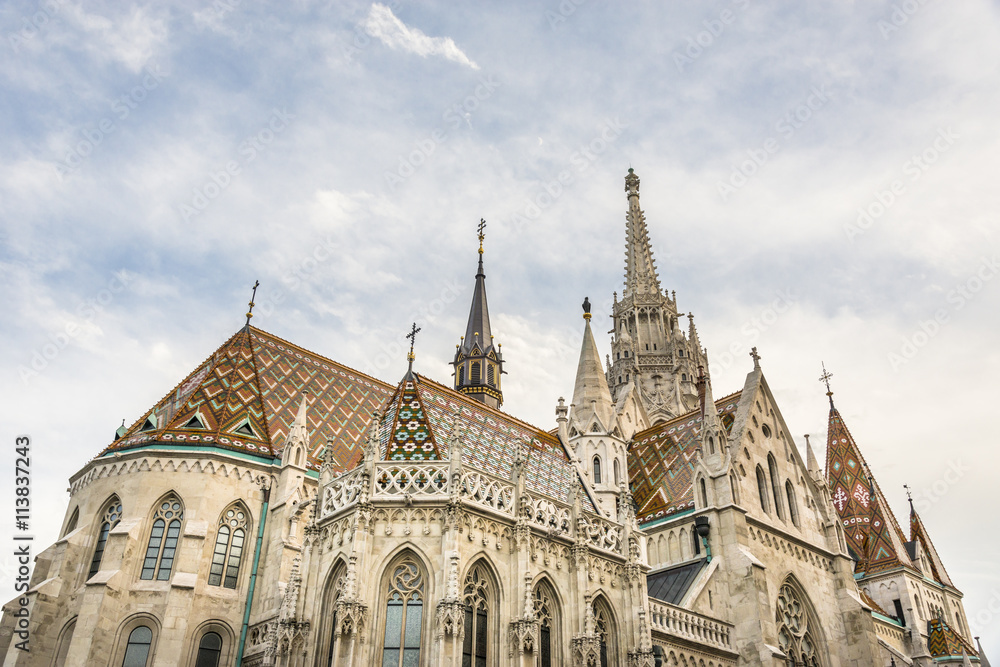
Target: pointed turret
296,444
591,395
983,660
478,362
812,465
930,563
640,269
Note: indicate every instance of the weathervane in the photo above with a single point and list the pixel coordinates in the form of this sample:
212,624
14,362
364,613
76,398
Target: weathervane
482,226
253,296
413,339
825,379
909,495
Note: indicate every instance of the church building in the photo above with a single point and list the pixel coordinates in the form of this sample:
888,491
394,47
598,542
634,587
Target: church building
277,508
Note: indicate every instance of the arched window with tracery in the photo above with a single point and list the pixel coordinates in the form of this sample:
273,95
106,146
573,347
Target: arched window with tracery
112,515
334,588
230,540
403,615
480,601
797,637
162,546
546,610
605,627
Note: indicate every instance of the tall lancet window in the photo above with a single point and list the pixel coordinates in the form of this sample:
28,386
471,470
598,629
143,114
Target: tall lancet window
162,546
112,515
229,542
605,632
479,602
597,470
545,611
403,615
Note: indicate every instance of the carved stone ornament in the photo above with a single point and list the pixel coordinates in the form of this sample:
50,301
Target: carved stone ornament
351,618
587,650
450,619
523,636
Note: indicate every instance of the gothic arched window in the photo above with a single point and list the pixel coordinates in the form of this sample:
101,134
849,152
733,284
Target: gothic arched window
704,492
772,467
545,611
209,650
334,587
229,543
137,650
480,601
762,490
162,546
604,625
73,520
112,515
793,506
597,470
796,636
403,615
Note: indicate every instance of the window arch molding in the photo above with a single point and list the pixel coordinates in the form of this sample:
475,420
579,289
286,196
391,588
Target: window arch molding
606,626
548,606
331,595
162,538
481,592
110,515
798,627
405,580
125,630
230,546
220,628
63,642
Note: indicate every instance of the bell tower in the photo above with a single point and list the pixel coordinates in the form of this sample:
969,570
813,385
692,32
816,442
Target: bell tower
478,362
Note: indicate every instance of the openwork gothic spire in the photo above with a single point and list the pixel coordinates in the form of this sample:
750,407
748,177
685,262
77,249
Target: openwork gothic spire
640,269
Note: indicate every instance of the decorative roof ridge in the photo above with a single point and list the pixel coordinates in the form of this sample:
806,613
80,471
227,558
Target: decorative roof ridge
339,365
473,403
919,531
687,415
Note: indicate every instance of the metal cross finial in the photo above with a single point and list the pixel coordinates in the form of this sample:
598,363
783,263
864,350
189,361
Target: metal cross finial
482,226
909,495
755,357
256,284
825,379
413,339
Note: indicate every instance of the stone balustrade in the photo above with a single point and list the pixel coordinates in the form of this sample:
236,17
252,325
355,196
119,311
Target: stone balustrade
674,621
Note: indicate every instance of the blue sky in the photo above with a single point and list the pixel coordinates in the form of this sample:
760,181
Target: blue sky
833,163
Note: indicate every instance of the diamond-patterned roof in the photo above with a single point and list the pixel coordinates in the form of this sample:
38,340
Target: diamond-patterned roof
919,533
944,642
662,460
244,398
869,525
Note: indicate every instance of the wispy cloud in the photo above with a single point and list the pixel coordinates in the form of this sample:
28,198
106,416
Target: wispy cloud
384,25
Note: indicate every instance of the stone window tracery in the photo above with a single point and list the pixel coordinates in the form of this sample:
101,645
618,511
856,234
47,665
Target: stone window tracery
403,616
162,546
229,543
112,515
479,600
545,606
794,632
604,627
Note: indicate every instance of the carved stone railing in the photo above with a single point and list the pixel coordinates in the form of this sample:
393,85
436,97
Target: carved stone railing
488,491
602,533
674,621
891,633
405,478
548,514
341,492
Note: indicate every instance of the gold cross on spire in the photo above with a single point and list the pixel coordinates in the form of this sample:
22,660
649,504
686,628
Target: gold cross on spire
482,226
413,339
256,284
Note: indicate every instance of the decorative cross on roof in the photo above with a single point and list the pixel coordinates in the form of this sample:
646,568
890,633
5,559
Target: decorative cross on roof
825,377
413,339
256,284
482,226
755,357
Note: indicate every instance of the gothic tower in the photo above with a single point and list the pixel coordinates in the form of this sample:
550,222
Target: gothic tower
651,355
478,362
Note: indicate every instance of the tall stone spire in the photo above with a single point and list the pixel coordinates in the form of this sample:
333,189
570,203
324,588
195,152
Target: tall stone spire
478,362
651,355
591,395
640,269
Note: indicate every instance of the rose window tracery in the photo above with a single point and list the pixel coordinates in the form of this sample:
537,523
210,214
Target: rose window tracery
794,636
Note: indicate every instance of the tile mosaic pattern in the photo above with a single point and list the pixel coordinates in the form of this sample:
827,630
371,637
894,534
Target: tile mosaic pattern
869,525
258,378
943,642
662,458
411,438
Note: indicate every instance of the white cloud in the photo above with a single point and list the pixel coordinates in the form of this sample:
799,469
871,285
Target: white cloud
395,34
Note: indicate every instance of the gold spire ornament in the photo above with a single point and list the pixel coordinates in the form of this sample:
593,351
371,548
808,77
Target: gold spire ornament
413,339
482,226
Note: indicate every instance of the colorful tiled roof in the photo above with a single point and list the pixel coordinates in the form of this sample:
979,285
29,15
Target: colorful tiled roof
869,525
244,398
410,438
918,533
943,642
490,442
662,460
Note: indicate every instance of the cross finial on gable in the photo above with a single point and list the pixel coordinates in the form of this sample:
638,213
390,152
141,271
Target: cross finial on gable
253,296
755,357
825,379
413,339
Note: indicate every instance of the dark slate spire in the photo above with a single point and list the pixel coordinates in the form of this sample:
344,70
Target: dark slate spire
478,362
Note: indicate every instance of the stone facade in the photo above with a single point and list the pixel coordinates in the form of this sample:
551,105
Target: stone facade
419,525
